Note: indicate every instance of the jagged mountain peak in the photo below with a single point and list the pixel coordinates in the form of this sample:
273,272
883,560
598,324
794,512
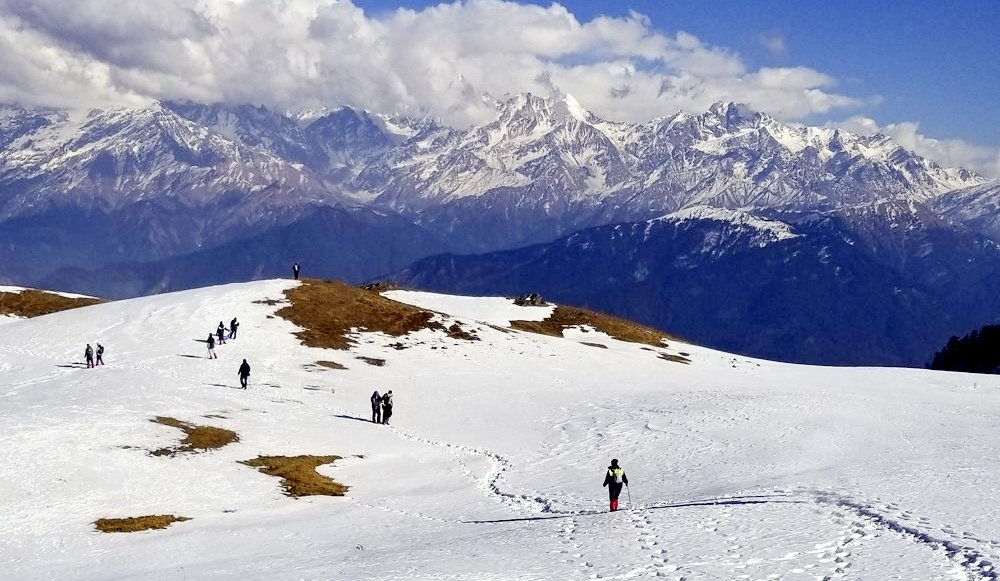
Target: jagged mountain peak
733,115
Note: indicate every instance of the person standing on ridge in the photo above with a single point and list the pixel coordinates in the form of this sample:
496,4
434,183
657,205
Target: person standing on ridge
233,325
244,374
614,479
376,407
88,354
100,354
387,407
221,332
295,270
211,347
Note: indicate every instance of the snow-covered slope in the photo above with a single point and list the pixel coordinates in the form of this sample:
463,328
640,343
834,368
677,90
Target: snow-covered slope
493,464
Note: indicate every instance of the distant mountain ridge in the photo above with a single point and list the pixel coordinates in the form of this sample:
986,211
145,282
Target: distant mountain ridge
842,287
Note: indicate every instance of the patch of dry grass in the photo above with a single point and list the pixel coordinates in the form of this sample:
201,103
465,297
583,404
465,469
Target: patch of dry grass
457,331
34,303
621,329
298,474
135,524
330,364
197,438
674,358
328,311
372,361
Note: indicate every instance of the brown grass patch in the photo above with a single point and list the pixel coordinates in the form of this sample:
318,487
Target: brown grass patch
197,439
135,524
34,303
456,331
621,329
328,311
330,364
372,361
675,358
298,474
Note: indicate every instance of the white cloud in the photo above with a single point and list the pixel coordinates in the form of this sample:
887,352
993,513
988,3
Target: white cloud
775,44
306,53
947,152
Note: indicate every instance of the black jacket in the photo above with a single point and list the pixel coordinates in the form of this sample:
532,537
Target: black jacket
245,369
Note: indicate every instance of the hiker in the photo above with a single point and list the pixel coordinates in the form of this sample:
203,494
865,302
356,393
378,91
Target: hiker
376,407
386,407
88,354
233,325
221,332
244,374
211,347
295,270
100,354
614,479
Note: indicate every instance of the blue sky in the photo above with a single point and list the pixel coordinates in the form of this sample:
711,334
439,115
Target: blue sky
933,62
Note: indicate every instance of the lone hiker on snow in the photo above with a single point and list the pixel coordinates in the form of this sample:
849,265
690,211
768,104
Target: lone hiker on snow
244,374
376,407
387,407
88,354
211,347
614,479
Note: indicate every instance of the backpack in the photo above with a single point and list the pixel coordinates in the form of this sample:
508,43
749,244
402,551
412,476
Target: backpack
616,474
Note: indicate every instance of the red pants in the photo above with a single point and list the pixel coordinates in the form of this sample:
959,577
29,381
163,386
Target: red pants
614,504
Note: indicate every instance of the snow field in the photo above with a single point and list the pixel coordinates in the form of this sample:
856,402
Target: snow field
739,468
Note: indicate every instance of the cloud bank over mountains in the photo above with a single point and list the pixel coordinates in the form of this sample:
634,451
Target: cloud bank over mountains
440,61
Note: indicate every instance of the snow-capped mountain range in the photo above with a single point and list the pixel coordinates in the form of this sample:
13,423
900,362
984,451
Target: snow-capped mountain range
128,201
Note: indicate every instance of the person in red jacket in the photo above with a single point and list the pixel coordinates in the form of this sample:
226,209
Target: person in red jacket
614,479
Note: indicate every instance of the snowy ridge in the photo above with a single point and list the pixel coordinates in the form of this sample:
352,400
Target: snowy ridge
778,230
20,289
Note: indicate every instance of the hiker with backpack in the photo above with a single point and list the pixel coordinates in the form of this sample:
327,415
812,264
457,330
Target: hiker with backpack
100,354
376,407
614,479
233,325
387,407
221,332
211,347
88,354
244,374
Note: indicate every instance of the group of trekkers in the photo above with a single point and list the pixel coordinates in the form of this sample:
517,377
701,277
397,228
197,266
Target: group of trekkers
381,407
221,333
89,355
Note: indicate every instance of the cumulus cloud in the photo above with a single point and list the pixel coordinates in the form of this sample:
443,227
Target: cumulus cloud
293,54
947,152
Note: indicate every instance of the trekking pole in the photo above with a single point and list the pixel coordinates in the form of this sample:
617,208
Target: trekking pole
629,493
